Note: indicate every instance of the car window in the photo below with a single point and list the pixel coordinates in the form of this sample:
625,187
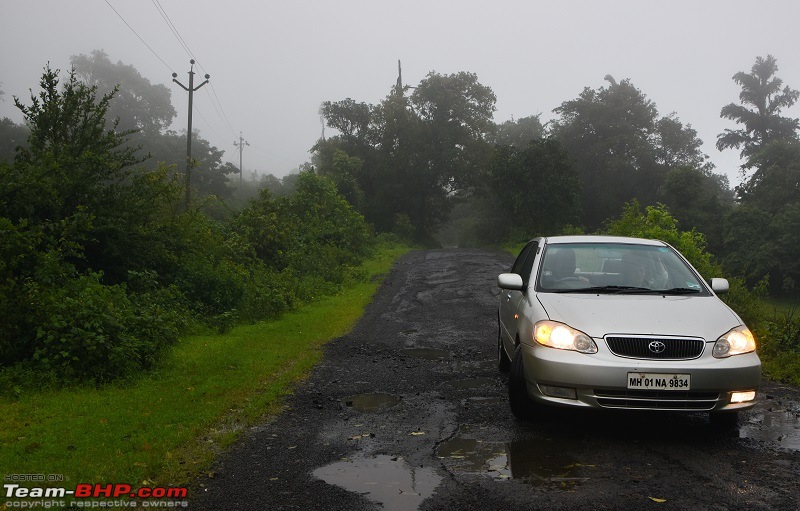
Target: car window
616,265
520,261
527,266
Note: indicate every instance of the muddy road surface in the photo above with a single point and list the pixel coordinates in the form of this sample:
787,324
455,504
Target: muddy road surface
409,412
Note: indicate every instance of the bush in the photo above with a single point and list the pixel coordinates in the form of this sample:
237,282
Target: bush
83,331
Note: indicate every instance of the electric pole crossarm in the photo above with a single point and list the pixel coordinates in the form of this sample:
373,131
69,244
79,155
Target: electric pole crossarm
182,85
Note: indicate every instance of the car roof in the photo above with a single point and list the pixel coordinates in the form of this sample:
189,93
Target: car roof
591,238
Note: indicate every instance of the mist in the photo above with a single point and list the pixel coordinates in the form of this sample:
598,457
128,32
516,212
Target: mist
273,64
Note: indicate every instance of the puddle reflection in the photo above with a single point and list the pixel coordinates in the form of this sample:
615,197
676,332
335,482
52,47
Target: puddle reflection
371,402
539,462
774,423
386,480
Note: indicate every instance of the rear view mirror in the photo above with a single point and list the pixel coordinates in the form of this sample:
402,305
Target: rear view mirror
720,286
510,281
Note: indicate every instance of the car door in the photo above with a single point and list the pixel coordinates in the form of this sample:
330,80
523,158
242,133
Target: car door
510,300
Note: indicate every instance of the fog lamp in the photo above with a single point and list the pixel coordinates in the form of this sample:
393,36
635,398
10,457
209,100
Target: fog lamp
562,392
743,397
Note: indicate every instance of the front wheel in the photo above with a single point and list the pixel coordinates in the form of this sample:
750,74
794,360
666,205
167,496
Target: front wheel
522,406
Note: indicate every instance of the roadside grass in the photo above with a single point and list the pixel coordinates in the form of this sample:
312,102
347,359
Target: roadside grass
165,428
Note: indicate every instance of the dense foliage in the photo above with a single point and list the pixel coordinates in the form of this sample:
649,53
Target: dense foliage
102,267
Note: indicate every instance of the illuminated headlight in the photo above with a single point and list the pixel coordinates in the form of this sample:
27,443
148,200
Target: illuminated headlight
736,342
559,335
743,397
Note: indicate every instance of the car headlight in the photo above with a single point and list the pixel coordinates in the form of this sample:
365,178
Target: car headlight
559,335
736,342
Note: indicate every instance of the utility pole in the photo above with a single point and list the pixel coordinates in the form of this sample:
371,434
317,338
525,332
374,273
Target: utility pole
190,89
240,145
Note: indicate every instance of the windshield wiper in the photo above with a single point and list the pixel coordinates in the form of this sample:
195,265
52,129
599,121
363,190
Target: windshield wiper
633,290
603,289
680,291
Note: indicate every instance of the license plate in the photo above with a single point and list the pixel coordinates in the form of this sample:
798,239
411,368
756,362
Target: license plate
659,381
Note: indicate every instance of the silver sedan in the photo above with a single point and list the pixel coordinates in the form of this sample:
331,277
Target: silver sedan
625,323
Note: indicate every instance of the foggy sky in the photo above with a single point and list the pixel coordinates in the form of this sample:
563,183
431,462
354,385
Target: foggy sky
273,63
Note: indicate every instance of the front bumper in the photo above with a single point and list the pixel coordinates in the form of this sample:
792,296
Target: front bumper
600,380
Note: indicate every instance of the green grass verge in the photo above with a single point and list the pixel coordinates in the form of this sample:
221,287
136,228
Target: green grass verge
166,427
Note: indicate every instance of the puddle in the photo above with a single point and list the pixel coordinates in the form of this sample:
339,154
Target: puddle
386,480
371,402
426,353
473,383
776,424
538,462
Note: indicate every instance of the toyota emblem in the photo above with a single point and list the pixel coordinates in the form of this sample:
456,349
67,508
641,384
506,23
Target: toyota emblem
657,346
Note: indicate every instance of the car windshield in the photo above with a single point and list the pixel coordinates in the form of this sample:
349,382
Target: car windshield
617,268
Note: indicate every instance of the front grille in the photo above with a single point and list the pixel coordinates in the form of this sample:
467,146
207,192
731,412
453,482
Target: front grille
656,399
640,347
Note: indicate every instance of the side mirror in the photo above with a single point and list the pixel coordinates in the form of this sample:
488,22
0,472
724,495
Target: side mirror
510,281
720,286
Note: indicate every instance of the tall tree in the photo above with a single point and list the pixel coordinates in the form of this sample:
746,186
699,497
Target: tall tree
413,152
775,184
457,112
698,200
537,186
72,156
138,104
763,97
622,148
609,131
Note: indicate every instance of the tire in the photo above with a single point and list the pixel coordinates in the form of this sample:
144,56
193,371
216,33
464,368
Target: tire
724,421
522,406
503,362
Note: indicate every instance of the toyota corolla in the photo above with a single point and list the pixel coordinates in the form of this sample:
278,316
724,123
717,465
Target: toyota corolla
621,323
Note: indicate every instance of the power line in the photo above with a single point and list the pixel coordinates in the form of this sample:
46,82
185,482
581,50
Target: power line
137,35
220,111
174,29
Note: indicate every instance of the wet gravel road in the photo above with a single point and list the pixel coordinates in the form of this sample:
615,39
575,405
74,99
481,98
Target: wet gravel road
409,412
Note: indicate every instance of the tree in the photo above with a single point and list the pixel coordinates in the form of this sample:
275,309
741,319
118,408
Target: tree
537,188
71,156
698,200
775,183
137,103
456,111
677,145
12,135
351,119
763,97
609,131
519,133
622,148
404,159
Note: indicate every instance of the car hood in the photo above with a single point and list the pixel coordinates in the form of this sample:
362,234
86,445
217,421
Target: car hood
599,315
